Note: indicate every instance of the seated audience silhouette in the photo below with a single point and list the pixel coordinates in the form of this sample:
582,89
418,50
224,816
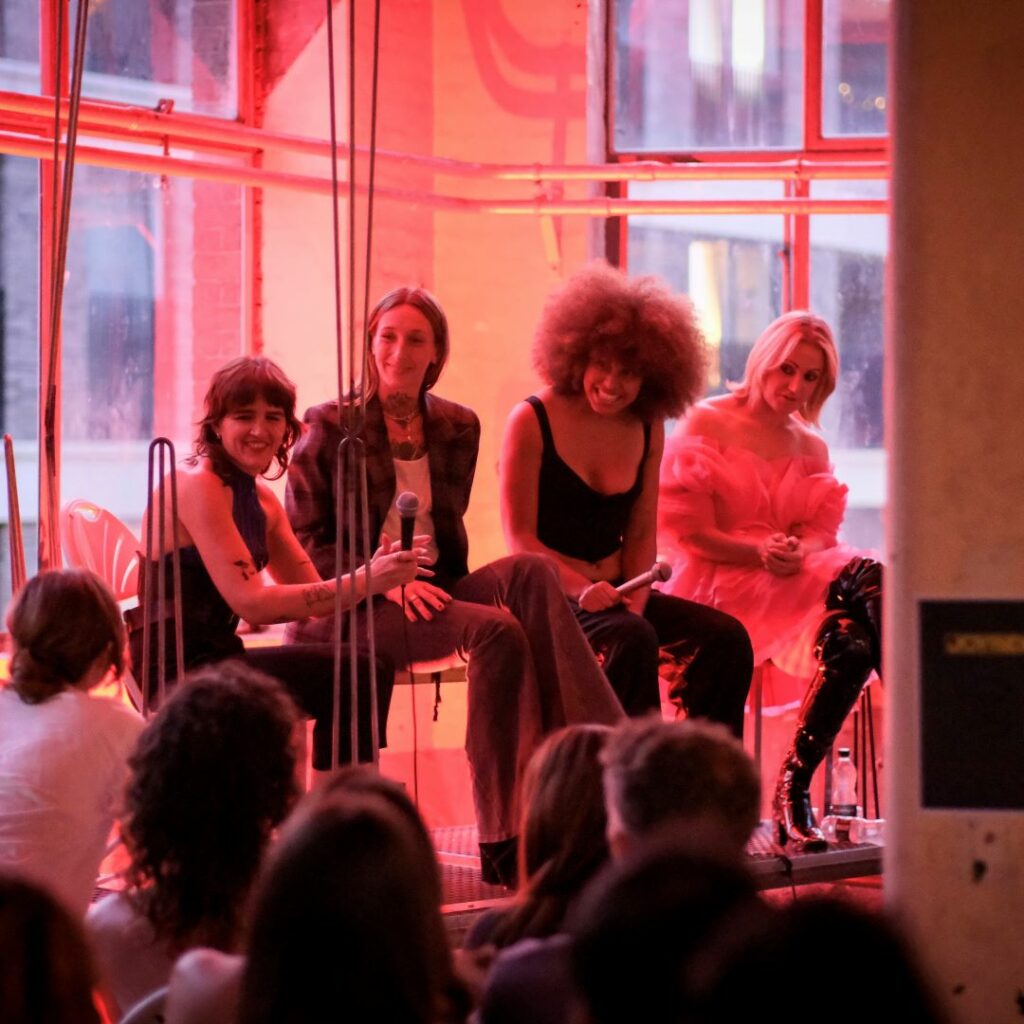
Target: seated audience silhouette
63,753
213,775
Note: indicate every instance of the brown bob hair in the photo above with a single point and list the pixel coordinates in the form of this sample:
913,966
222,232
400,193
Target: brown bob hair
61,622
236,384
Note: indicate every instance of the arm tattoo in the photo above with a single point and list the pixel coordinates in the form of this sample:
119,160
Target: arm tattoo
317,592
247,569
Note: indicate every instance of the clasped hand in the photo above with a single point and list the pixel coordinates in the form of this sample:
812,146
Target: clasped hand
782,555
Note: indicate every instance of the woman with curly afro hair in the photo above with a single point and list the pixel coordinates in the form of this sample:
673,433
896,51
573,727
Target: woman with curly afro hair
579,482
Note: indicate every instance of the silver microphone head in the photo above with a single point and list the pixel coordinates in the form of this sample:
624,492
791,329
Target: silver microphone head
660,572
407,504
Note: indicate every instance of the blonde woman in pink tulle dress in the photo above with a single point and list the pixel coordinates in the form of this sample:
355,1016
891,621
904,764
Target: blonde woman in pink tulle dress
750,509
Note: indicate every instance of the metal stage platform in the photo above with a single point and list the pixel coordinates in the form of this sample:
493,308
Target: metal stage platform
466,894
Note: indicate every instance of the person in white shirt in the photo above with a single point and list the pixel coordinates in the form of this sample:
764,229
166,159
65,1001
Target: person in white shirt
63,753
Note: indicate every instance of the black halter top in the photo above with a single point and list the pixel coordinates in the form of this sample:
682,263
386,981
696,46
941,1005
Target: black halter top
203,607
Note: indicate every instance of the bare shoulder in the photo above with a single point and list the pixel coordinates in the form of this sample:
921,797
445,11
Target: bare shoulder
269,502
521,444
522,423
112,917
812,444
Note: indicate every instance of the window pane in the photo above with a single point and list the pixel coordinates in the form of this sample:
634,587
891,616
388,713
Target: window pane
144,51
708,74
847,278
152,304
729,265
854,75
19,45
19,348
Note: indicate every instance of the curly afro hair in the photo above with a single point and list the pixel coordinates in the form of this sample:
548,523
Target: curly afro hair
601,313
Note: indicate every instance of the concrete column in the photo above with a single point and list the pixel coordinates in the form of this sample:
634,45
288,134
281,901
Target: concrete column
955,396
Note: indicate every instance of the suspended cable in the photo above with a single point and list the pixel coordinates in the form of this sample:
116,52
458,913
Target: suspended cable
49,549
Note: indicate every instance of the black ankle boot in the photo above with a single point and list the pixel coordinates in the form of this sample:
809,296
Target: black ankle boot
848,649
498,862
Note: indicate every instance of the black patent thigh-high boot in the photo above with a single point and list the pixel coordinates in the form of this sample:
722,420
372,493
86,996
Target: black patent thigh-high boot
848,649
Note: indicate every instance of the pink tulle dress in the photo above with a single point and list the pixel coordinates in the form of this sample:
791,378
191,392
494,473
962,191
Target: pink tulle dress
749,497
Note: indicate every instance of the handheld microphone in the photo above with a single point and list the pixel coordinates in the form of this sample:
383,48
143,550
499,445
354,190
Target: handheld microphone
658,573
407,505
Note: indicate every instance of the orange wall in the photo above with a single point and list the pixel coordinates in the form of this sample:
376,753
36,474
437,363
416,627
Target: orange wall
475,79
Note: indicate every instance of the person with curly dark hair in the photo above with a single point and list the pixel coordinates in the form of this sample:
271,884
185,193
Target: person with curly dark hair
212,776
229,528
63,753
579,482
47,974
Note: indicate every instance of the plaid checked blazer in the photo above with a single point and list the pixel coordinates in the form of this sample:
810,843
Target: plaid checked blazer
453,440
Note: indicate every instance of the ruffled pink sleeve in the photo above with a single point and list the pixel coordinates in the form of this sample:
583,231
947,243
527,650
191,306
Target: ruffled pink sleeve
692,472
817,504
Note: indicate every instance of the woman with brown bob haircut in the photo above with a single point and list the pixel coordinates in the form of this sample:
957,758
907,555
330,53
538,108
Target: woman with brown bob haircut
63,752
579,482
231,527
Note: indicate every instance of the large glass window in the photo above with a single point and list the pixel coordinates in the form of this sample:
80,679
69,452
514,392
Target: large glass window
19,45
854,80
708,74
155,270
19,347
728,81
152,299
146,51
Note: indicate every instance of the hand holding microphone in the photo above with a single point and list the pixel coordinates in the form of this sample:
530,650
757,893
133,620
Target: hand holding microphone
602,595
658,573
417,598
408,506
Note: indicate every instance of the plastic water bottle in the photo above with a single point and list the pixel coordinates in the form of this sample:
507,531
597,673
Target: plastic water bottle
843,810
844,781
868,830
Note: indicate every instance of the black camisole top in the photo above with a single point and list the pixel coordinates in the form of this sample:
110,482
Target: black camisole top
572,518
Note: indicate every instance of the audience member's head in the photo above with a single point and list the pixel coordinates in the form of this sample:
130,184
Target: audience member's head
642,920
46,969
67,631
346,920
817,938
563,831
691,773
213,774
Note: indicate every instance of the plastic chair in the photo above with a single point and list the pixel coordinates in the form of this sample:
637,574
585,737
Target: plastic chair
96,539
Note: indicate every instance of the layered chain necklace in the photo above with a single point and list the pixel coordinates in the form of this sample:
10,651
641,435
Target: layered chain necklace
405,432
